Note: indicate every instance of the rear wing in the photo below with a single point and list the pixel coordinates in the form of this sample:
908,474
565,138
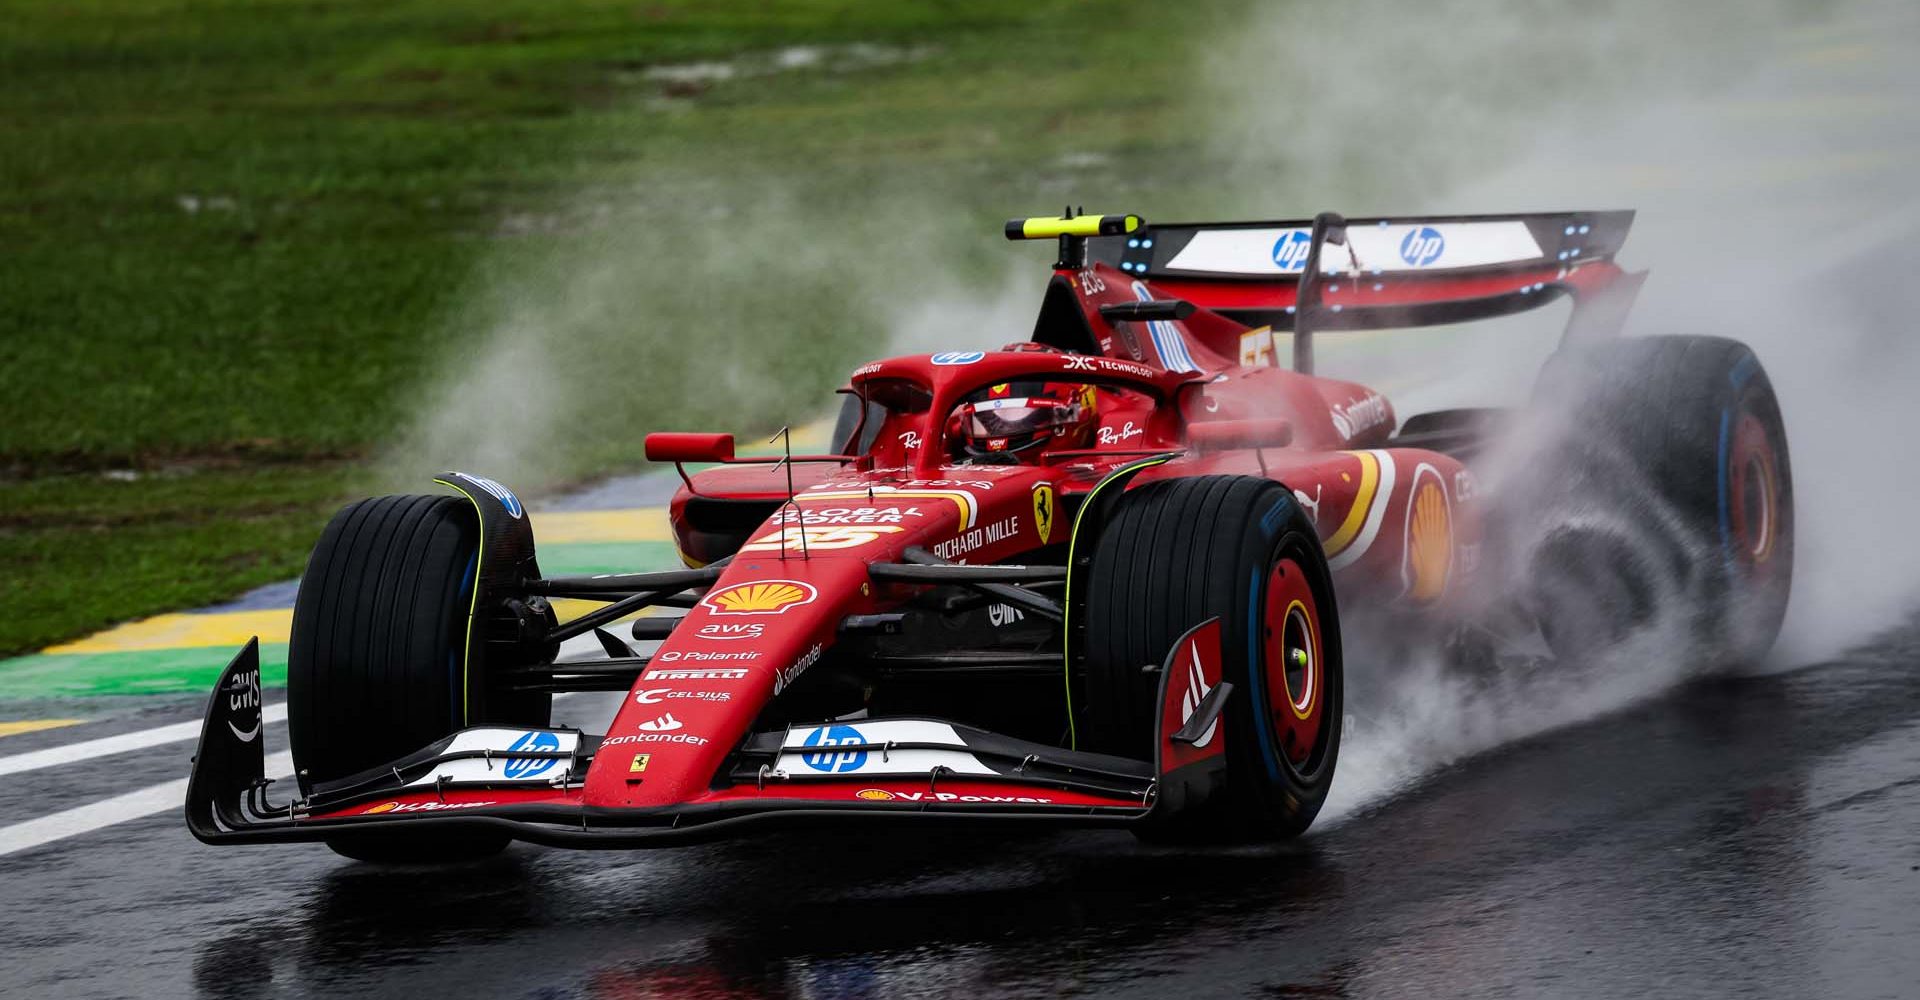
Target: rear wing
1331,273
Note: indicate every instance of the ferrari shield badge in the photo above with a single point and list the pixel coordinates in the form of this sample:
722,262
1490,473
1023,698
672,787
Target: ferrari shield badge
1043,511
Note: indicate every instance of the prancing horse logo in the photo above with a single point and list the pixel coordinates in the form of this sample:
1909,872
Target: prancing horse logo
1043,511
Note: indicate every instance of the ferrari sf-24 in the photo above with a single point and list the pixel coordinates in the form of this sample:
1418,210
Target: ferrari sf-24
1095,577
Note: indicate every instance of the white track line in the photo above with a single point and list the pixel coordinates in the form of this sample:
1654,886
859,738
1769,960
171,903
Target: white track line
107,812
124,742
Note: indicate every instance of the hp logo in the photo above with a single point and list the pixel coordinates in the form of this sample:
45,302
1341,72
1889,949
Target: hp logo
532,767
1290,251
836,762
958,357
1422,246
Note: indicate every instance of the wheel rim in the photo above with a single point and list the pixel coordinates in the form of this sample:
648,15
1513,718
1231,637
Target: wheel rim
1753,495
1294,665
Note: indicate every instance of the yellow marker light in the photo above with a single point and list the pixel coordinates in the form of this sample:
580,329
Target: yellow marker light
1079,225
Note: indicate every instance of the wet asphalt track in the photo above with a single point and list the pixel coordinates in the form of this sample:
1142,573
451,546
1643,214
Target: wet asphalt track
1756,836
1739,837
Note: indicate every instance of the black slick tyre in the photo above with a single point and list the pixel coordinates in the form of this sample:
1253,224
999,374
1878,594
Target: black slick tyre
376,663
1176,553
1686,433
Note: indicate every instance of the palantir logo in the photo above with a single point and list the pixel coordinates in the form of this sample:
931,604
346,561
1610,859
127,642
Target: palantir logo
1290,251
836,736
532,767
1422,246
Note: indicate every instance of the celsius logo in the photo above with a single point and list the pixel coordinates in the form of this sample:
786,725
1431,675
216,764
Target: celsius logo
531,767
1423,246
1290,251
958,357
836,736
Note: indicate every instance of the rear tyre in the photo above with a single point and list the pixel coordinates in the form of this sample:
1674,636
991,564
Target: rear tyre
376,664
1176,553
1681,440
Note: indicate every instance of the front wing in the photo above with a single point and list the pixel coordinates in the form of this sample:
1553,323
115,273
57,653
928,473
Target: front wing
528,783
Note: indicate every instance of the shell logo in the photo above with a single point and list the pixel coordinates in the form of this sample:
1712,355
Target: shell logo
874,795
381,808
761,597
1429,537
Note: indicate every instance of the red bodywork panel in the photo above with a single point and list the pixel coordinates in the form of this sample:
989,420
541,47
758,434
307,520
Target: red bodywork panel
1398,525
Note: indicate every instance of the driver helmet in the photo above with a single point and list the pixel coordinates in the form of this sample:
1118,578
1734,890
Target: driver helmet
1016,421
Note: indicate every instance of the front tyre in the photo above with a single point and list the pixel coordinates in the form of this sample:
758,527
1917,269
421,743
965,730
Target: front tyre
1239,548
377,663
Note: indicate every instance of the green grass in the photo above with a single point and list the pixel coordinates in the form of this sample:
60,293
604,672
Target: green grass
254,249
80,551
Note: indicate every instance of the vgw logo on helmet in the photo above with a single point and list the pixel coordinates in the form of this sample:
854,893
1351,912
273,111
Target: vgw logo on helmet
1422,246
531,767
836,736
1290,251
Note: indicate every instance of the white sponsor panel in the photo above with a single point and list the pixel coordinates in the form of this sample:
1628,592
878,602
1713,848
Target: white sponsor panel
873,763
858,747
1242,251
501,765
502,739
1410,246
1435,247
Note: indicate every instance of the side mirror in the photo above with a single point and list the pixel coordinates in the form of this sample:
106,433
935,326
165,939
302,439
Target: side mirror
671,447
1227,435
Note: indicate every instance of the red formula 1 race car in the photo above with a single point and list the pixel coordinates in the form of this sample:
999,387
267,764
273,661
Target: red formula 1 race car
1095,577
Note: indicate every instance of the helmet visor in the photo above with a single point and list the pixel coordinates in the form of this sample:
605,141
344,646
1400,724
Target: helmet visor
1006,418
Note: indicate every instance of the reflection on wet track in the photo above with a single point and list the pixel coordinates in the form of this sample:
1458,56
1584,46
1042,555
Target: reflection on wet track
1737,836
